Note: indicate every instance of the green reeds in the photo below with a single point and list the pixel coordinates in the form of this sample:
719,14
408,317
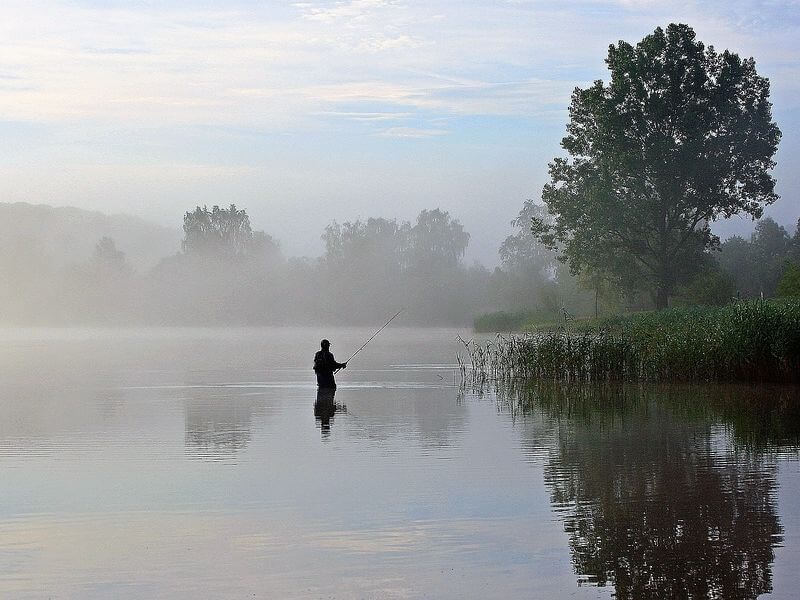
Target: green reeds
745,341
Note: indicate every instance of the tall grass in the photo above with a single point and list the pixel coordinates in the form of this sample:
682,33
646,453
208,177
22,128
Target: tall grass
745,341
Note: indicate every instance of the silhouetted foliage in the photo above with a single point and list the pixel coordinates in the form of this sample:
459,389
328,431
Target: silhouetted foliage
378,263
107,260
436,243
529,269
756,265
789,285
532,285
360,271
680,136
223,233
711,286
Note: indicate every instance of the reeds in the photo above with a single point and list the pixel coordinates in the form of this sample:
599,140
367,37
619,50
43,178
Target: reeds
745,341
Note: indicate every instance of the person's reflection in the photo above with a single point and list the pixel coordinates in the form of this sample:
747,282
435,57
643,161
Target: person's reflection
324,409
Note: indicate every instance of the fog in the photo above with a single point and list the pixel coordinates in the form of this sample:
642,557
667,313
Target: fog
73,267
223,271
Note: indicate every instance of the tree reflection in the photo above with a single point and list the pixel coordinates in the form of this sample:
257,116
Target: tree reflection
429,413
219,426
661,498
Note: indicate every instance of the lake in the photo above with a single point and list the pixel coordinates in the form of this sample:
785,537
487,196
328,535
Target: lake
201,463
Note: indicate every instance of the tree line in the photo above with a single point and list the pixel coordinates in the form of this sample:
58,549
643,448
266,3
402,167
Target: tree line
226,272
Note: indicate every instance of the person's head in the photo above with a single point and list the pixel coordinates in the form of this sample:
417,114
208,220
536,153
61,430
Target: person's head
325,344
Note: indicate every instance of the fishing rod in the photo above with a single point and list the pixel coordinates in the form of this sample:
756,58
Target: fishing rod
373,335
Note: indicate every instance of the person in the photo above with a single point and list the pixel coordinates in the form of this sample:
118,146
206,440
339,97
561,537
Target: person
324,366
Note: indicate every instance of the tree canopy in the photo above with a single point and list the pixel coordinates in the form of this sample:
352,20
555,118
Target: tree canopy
680,136
523,252
224,233
436,242
757,265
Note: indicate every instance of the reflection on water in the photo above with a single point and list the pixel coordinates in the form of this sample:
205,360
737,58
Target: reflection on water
175,464
324,409
407,412
653,499
218,425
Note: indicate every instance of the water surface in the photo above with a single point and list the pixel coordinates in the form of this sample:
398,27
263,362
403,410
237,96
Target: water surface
189,463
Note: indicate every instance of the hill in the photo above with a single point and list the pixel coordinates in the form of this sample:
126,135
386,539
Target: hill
65,235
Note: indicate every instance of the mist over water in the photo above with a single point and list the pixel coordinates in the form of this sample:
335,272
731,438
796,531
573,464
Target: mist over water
224,272
185,462
612,235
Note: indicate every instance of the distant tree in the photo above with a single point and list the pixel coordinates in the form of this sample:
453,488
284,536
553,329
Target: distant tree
770,239
107,260
680,136
789,285
436,243
378,263
223,233
756,265
265,248
361,267
528,266
772,245
738,259
795,249
522,251
712,286
374,241
101,289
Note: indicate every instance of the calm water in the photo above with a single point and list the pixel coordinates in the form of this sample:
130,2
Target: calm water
194,463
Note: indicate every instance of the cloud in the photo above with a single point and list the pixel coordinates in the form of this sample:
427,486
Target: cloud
284,68
413,132
369,117
351,10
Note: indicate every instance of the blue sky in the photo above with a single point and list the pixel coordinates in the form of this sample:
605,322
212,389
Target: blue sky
305,112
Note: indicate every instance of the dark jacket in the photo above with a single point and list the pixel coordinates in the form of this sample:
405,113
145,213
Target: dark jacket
324,366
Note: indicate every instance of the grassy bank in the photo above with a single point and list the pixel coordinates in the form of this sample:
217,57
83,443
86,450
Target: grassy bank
745,341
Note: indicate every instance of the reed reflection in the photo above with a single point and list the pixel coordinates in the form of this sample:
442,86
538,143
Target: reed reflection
658,497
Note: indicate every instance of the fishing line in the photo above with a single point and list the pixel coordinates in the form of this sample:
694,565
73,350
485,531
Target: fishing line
373,335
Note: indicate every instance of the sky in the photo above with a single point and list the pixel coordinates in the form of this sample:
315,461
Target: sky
309,112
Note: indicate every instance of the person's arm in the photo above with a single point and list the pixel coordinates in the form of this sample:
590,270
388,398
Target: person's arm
338,365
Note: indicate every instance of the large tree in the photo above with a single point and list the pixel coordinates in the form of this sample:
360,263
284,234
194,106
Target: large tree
681,136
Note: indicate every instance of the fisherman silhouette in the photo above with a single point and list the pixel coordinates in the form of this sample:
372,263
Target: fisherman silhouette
325,365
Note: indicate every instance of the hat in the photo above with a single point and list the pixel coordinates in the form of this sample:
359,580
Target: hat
324,343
